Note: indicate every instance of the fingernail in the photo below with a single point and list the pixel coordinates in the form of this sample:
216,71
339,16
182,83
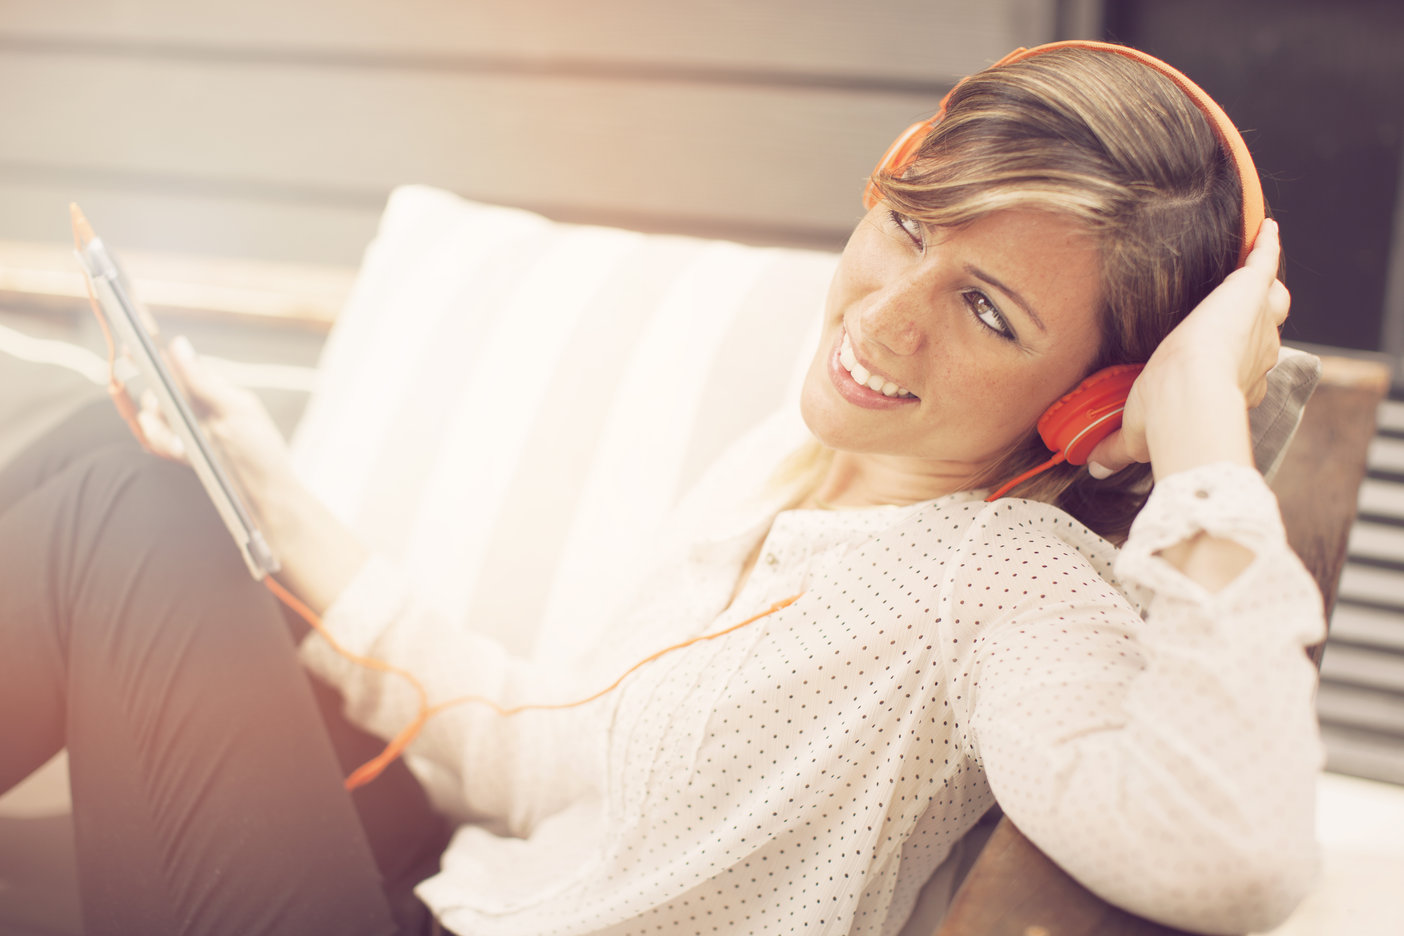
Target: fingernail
1098,471
182,348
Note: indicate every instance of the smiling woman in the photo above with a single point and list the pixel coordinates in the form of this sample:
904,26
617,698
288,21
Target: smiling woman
829,699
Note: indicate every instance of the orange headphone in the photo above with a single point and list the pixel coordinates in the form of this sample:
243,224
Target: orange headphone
1091,411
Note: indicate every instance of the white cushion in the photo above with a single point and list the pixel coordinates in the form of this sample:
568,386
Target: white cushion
510,406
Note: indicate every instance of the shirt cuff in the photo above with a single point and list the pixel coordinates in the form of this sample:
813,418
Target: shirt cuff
1224,500
369,604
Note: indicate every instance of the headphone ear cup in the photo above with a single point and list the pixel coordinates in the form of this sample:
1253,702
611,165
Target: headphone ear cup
899,155
1088,413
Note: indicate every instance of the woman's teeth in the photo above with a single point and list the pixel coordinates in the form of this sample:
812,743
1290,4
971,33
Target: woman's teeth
865,377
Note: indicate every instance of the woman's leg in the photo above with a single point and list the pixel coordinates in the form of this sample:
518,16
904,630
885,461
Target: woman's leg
207,795
36,735
88,428
406,835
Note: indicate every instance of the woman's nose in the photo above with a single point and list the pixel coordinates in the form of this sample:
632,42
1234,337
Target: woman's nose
897,314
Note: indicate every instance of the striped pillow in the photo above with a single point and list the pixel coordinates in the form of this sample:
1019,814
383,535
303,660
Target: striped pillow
510,406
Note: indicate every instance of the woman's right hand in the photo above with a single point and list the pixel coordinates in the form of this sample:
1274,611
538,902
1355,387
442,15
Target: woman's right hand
1188,406
319,555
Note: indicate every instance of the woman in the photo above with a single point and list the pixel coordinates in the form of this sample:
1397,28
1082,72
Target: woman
1149,726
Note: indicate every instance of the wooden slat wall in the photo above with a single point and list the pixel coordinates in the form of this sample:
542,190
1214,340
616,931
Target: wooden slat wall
271,129
890,40
1361,699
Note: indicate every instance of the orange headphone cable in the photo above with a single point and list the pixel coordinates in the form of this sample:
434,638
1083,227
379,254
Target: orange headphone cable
373,767
126,406
1056,459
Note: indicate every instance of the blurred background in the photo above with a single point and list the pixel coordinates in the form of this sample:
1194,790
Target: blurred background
273,129
239,153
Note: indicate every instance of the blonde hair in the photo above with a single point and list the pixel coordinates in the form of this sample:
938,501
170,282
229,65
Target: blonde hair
1118,148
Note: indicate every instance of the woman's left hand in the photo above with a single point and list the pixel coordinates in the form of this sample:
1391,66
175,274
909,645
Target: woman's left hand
1189,406
235,421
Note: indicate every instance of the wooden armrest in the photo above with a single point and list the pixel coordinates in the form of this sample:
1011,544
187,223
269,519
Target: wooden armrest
1015,890
1318,484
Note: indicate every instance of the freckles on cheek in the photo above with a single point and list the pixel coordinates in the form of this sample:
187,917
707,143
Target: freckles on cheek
1011,399
995,390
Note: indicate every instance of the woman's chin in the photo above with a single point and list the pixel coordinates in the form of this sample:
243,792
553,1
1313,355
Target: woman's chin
830,429
818,415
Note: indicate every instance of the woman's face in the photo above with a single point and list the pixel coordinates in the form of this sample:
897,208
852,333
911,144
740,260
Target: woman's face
972,332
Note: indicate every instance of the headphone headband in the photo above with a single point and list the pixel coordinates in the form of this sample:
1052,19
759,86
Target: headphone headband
904,150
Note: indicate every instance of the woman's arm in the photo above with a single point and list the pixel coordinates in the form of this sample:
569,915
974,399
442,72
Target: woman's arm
1166,761
368,607
318,554
1169,763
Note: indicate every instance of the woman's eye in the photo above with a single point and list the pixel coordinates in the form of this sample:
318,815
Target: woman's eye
908,226
989,316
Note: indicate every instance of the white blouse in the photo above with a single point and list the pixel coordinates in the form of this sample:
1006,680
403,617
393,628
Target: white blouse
809,772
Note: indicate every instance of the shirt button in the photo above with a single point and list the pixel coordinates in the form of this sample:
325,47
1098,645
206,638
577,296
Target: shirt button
771,558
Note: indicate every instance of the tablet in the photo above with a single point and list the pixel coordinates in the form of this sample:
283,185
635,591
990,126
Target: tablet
134,332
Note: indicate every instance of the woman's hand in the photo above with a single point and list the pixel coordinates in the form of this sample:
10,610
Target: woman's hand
318,554
1189,406
232,418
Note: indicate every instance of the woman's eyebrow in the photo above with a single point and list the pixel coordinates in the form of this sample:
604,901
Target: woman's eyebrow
1018,299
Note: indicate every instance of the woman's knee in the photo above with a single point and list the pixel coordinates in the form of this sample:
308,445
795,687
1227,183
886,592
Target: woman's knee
84,430
136,528
135,499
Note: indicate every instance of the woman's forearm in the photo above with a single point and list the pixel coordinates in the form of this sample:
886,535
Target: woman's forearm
319,554
1207,422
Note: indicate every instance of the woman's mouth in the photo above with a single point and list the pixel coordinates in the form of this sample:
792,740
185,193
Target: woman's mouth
864,377
860,386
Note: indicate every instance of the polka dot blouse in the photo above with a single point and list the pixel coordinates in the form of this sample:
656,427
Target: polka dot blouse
812,771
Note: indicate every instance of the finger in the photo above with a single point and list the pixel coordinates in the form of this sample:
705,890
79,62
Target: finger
204,387
1266,251
1257,393
1279,302
160,438
1112,454
157,429
187,361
